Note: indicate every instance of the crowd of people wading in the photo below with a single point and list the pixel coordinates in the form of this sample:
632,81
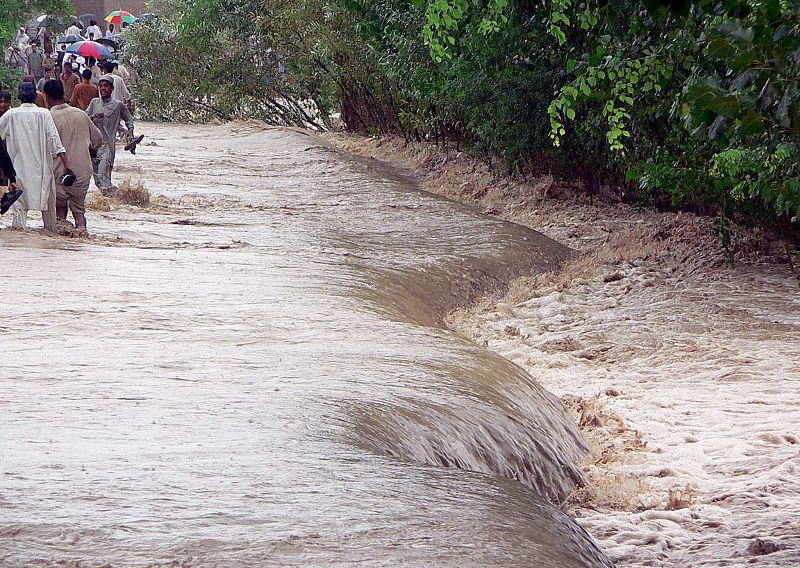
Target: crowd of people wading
60,125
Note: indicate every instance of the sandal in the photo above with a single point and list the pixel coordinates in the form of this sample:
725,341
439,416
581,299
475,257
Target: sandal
131,146
8,200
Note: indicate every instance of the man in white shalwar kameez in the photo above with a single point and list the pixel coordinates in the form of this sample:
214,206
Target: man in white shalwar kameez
33,142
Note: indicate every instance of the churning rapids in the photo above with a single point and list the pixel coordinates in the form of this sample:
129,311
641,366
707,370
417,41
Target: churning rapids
252,372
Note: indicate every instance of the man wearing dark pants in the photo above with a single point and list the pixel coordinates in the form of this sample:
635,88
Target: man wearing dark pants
8,176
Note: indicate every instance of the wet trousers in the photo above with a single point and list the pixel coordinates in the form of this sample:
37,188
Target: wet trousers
103,165
19,213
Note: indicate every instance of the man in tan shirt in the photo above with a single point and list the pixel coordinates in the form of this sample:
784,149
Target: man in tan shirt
85,92
69,80
77,132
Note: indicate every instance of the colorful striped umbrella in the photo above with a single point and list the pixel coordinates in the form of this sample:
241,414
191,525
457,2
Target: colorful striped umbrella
119,16
90,49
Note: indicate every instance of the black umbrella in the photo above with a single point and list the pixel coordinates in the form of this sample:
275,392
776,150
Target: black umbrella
87,17
110,43
71,38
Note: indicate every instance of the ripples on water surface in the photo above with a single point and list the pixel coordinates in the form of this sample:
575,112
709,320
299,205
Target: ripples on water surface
254,375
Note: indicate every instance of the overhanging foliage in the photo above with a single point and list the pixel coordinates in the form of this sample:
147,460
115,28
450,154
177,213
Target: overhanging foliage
688,104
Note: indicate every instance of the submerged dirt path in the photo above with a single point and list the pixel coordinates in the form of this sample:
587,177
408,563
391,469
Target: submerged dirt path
684,371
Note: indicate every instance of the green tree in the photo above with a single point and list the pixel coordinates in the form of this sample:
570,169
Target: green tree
683,104
14,14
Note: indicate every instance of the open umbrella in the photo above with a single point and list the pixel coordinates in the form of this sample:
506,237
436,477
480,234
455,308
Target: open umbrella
148,16
117,17
87,17
71,38
109,43
53,21
90,49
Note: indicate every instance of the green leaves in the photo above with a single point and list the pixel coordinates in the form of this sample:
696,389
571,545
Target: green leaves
443,18
771,177
694,106
14,13
747,93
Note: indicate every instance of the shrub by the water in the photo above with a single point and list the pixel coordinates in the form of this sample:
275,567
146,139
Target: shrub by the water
692,105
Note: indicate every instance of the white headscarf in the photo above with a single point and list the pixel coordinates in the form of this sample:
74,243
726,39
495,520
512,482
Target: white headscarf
22,38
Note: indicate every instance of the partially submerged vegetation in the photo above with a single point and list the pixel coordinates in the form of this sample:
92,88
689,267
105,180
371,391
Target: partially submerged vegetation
690,105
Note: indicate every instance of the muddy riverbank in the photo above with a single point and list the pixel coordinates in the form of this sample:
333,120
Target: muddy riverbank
683,370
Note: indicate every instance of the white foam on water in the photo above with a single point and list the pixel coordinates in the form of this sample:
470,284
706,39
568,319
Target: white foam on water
690,385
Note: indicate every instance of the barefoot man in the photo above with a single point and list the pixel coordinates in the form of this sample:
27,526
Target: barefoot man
33,142
77,133
106,113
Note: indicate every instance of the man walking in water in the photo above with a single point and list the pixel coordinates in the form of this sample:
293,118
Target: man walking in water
106,113
77,132
33,142
8,178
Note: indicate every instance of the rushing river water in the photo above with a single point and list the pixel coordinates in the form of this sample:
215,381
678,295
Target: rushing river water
253,373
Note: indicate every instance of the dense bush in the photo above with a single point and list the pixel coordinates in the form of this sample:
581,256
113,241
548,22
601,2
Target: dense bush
13,15
686,104
209,59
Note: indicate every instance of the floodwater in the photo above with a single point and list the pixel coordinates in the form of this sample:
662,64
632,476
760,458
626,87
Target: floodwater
691,381
252,372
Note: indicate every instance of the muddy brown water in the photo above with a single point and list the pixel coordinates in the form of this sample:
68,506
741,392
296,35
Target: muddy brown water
253,373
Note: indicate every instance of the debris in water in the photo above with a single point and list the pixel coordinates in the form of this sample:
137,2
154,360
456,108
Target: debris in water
760,547
679,499
613,277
